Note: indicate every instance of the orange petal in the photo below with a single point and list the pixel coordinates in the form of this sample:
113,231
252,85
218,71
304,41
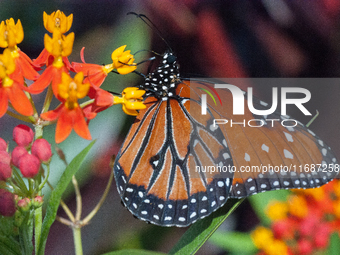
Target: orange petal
3,102
42,82
51,115
42,58
64,126
79,124
20,101
26,68
104,98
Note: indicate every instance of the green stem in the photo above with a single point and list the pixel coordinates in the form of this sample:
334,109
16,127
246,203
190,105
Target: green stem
37,226
48,99
38,211
29,119
77,240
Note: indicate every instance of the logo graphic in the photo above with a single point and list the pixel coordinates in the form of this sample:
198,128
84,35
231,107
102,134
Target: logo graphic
238,100
204,99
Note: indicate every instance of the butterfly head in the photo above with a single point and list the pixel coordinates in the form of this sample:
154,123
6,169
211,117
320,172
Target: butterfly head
163,81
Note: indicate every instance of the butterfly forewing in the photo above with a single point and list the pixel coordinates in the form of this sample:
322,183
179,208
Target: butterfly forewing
158,186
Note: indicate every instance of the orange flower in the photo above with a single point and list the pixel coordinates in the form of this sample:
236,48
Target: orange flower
69,114
102,101
11,88
122,61
54,56
12,34
51,74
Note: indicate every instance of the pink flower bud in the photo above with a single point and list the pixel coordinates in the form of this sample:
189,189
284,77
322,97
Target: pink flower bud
7,204
17,153
42,150
38,201
5,168
23,135
24,204
3,144
29,165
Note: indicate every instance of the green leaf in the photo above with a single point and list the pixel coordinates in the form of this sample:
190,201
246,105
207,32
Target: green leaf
334,246
259,202
57,193
134,252
235,242
200,232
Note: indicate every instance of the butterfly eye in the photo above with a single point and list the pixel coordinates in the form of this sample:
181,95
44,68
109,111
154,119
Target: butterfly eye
171,59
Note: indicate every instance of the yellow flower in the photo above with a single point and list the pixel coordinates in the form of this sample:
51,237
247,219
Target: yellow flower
318,193
261,237
123,60
298,206
59,45
276,247
10,33
277,210
131,100
57,21
73,89
7,65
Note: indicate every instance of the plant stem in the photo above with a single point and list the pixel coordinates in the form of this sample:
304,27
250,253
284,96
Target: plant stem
77,240
37,226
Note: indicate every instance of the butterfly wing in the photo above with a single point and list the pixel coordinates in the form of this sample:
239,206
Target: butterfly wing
153,169
275,156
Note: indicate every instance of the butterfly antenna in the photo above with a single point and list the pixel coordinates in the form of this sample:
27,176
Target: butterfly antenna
150,24
311,121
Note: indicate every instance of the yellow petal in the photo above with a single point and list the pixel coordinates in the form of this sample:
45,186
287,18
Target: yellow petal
19,32
135,105
67,44
130,112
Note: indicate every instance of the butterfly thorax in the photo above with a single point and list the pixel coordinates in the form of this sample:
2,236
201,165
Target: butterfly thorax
163,81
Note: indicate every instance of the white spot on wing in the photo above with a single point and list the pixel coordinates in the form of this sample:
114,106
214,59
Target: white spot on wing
193,215
289,137
288,154
226,155
246,157
265,148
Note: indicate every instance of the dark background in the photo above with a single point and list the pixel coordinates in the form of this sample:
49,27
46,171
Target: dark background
241,38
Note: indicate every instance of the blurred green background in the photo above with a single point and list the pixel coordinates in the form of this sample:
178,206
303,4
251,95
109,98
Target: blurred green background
267,38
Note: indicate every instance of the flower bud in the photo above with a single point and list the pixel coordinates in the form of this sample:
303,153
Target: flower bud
42,150
7,204
29,165
5,167
38,201
23,135
17,153
3,145
24,204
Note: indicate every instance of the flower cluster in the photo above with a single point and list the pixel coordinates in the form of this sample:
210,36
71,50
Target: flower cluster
24,170
303,224
16,67
27,156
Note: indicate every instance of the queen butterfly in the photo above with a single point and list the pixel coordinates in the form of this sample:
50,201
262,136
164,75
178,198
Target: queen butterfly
167,139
